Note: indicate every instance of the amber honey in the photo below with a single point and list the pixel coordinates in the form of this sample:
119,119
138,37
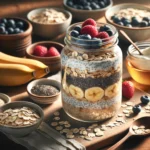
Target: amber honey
140,76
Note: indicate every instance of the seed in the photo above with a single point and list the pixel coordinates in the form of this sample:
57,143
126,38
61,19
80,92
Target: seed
135,127
123,105
66,122
129,108
103,128
65,130
97,130
129,103
85,56
88,138
61,122
100,133
120,115
126,111
54,124
75,130
91,135
26,122
69,136
84,132
141,127
74,54
82,128
67,125
57,118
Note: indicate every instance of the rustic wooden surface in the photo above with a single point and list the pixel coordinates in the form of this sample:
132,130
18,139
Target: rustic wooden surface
20,8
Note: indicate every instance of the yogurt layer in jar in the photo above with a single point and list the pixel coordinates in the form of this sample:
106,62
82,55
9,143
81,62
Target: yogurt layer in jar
91,77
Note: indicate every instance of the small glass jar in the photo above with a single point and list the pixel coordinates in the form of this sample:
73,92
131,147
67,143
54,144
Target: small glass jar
138,65
91,77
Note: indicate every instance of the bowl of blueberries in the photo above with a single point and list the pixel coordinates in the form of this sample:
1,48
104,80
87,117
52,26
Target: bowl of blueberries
134,19
15,36
84,9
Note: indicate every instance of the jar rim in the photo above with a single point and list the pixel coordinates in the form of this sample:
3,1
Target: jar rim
92,42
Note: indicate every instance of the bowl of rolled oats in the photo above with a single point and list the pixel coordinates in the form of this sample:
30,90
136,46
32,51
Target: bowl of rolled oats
44,91
20,118
48,23
132,18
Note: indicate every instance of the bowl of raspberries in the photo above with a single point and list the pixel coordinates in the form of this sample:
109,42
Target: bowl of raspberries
15,35
48,52
134,19
84,9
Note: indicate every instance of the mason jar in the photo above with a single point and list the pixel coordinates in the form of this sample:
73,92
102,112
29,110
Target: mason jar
91,76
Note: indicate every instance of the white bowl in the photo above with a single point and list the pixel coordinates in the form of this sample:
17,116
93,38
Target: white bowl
44,99
5,98
49,31
82,15
23,130
135,33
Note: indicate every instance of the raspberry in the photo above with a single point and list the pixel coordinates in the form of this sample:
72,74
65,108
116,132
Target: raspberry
40,51
102,35
52,52
89,21
89,29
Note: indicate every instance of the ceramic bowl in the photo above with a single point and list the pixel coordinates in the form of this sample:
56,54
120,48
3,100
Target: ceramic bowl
24,130
44,99
5,98
16,44
54,63
135,33
49,31
82,15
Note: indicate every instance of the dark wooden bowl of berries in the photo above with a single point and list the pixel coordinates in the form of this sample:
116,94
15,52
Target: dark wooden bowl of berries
15,36
134,19
84,9
47,52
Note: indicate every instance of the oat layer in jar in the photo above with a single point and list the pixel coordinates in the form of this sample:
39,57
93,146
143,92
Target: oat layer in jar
91,76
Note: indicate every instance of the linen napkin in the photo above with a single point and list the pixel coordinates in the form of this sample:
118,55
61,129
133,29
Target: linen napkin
46,138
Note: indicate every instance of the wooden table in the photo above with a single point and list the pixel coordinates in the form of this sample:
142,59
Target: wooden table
19,92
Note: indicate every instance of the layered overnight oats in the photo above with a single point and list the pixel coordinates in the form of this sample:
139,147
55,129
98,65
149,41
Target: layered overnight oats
91,74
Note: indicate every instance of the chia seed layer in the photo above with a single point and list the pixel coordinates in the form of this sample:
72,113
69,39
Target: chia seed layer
86,104
85,83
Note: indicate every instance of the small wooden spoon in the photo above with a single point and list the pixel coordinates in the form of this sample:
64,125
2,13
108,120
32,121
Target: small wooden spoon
144,121
127,37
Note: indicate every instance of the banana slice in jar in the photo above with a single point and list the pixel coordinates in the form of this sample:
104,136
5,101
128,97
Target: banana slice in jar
94,94
76,91
112,90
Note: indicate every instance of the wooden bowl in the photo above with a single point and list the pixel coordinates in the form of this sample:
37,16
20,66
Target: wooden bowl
135,33
44,99
16,44
82,15
54,63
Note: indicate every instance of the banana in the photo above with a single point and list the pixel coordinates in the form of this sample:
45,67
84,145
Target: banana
94,94
15,74
41,69
76,92
112,90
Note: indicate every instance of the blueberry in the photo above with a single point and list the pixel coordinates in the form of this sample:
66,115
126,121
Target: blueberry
128,25
126,21
116,19
120,23
145,99
11,23
77,28
102,4
146,19
6,32
144,24
3,20
10,30
110,33
123,19
87,8
113,17
20,24
85,36
135,22
74,33
104,28
136,109
2,24
2,30
16,30
70,3
94,5
83,2
79,7
21,31
96,41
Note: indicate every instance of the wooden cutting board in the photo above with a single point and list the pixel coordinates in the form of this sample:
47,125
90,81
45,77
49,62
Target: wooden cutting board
111,135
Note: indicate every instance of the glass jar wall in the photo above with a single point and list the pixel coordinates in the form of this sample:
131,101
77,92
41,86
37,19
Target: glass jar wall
91,77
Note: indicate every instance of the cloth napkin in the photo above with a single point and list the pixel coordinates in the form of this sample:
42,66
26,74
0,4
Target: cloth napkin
46,138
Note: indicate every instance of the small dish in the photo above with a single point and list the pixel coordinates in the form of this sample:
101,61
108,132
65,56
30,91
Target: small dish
44,99
5,98
51,30
54,63
20,131
135,33
82,15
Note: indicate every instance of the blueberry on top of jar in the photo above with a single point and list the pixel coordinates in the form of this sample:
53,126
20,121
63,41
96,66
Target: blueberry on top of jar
88,4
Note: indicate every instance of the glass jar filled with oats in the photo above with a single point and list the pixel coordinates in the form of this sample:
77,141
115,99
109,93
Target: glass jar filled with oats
91,74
